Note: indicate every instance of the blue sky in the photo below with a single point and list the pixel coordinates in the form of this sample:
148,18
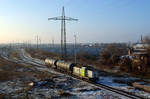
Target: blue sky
99,20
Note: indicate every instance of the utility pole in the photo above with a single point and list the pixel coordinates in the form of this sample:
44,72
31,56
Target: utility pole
53,43
63,19
13,44
37,42
40,44
142,39
49,44
75,53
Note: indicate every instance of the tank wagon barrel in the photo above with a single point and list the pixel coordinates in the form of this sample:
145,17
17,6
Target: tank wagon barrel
65,65
51,62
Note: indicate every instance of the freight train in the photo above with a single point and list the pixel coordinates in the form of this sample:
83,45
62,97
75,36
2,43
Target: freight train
83,72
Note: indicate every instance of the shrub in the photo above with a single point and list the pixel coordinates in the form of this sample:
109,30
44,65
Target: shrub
111,54
126,62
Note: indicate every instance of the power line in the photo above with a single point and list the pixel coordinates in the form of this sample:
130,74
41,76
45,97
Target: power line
63,19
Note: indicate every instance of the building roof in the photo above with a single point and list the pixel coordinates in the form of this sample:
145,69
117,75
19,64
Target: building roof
140,45
139,53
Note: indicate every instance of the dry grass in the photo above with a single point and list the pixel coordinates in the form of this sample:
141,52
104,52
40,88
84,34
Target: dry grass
14,54
10,71
40,54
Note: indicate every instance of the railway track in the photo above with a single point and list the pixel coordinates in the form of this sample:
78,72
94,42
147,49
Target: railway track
121,92
101,86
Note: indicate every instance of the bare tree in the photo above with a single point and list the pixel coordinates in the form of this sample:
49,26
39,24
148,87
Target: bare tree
146,39
111,54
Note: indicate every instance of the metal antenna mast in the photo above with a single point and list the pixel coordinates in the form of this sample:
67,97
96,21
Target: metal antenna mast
63,19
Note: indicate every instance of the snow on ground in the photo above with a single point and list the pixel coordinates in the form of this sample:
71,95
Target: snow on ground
64,86
107,80
123,84
52,85
57,88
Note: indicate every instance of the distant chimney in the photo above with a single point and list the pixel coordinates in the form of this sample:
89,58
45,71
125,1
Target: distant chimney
129,52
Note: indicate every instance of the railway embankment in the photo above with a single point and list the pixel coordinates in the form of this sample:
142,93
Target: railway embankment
22,79
121,81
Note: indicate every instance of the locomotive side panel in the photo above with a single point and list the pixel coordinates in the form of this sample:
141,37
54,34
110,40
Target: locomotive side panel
83,72
76,71
90,74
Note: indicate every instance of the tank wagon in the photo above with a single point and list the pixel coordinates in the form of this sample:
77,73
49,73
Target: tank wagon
51,62
65,66
87,72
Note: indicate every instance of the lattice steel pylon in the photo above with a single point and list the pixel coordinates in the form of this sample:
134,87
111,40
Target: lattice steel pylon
63,19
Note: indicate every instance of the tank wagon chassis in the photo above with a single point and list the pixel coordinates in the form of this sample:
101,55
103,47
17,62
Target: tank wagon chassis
82,74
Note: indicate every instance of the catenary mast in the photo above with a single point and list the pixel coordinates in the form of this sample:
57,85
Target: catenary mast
63,19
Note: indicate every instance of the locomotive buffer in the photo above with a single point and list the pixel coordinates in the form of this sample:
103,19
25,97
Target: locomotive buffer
63,19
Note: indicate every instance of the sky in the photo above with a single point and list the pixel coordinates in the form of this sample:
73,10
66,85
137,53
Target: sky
100,21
